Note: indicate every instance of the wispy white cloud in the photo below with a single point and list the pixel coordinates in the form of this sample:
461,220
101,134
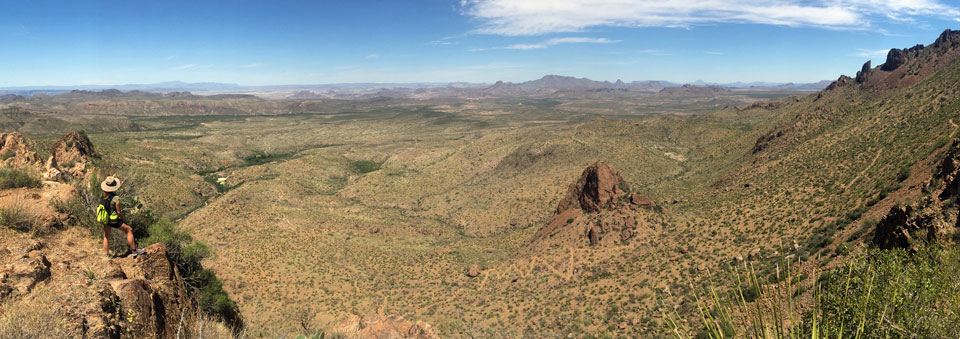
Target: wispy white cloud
372,56
871,53
657,52
535,17
713,52
183,67
256,64
566,40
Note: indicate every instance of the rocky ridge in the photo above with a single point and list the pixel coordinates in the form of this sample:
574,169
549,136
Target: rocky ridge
907,66
934,218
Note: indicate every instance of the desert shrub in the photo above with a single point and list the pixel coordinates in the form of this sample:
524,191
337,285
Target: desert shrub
364,166
904,173
6,155
11,178
17,218
68,164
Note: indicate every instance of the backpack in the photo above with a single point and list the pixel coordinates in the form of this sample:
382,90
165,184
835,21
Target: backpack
106,213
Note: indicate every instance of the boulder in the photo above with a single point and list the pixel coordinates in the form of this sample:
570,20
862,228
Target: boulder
474,271
23,274
640,200
52,172
593,234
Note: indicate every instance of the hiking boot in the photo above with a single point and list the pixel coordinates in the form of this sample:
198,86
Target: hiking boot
137,252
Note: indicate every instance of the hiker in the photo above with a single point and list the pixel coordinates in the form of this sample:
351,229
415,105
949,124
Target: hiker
110,215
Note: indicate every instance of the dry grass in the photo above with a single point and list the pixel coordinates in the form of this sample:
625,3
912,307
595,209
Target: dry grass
36,316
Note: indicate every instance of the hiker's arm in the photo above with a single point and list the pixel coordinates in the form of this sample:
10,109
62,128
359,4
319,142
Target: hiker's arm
120,212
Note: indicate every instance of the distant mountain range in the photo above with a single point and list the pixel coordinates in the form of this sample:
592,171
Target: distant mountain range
549,84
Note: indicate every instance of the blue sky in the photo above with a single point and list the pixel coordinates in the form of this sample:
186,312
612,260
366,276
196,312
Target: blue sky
312,42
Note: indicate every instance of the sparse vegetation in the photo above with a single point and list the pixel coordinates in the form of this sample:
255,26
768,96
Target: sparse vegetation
16,217
12,178
37,317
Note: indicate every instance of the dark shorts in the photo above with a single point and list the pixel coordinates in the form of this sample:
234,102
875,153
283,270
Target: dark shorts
115,223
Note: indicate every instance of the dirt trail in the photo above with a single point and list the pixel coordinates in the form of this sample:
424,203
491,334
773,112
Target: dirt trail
864,171
955,127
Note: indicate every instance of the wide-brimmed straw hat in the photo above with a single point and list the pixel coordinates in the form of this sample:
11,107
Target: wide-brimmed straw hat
110,184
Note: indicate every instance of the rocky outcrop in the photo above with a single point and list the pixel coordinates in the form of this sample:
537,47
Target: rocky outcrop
23,274
597,210
143,297
897,57
385,326
843,80
863,73
933,218
598,187
153,294
70,154
15,153
947,40
764,141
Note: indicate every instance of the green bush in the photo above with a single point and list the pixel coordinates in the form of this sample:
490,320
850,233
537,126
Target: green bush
879,294
904,173
891,293
11,178
364,166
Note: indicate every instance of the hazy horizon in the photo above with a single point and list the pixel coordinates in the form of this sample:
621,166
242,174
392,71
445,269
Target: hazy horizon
444,83
62,43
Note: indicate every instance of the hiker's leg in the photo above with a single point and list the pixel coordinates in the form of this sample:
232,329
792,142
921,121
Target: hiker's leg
106,242
129,230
